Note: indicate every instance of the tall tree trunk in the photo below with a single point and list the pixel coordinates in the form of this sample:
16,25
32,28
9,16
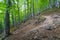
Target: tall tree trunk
7,24
7,19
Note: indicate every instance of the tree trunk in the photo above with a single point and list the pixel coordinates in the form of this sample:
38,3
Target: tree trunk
25,14
7,24
7,20
18,12
50,4
32,8
57,3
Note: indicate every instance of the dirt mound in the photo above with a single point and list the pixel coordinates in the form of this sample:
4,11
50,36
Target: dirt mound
36,29
42,34
46,31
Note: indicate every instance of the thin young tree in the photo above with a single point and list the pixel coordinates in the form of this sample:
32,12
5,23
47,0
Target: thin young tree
50,4
57,3
27,9
18,11
32,8
13,14
37,9
12,11
25,13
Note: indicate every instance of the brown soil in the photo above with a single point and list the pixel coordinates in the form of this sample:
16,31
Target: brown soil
32,25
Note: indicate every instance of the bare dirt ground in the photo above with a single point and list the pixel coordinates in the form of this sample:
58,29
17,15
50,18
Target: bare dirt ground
35,30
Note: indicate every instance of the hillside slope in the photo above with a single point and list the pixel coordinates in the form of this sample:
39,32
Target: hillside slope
43,27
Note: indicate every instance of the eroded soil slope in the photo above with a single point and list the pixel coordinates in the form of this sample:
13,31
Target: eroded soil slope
45,26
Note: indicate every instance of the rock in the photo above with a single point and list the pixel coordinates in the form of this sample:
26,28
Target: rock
56,16
41,18
35,37
49,27
57,36
56,21
31,35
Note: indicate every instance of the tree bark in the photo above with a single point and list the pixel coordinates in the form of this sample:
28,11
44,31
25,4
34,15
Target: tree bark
7,20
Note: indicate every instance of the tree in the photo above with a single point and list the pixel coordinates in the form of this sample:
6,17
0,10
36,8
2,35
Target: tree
25,13
27,9
57,3
32,8
50,3
18,11
7,20
13,14
37,8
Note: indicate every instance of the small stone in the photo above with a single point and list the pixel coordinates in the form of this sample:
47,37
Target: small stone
56,21
35,38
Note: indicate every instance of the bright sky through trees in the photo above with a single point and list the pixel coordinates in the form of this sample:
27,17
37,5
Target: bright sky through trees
1,0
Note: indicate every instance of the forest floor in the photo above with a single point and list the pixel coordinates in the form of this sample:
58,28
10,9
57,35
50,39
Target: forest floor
42,27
